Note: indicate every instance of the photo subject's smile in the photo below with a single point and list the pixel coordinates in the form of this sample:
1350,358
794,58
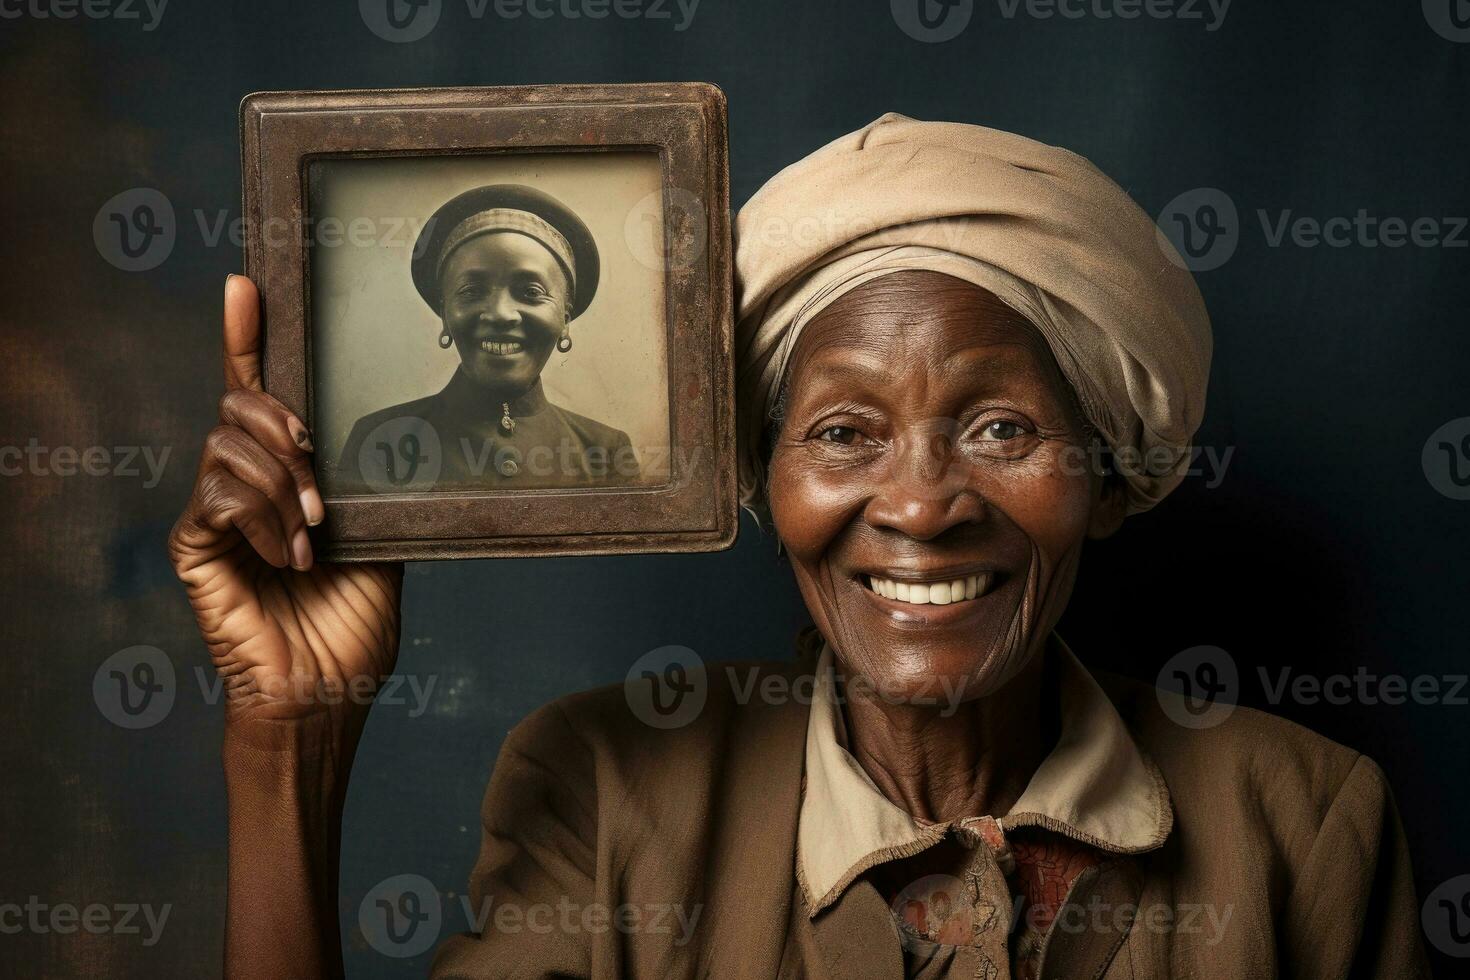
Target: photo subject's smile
502,348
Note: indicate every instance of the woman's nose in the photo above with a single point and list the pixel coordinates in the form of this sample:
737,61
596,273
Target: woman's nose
928,487
500,308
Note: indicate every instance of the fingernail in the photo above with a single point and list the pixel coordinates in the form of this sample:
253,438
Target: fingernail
299,433
229,277
301,551
311,506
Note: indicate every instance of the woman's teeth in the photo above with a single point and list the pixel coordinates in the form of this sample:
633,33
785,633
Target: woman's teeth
925,593
501,347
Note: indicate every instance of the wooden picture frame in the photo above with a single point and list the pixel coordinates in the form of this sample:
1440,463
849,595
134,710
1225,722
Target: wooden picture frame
290,139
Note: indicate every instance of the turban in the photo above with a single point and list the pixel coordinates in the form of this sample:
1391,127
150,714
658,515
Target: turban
1040,227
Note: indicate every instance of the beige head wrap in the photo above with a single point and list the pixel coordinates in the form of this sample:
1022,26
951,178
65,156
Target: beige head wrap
1038,226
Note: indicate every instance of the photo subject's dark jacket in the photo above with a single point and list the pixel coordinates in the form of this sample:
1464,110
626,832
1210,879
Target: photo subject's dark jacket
458,443
614,849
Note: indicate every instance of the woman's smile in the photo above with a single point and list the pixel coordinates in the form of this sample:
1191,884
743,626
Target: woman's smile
886,525
930,601
502,348
505,304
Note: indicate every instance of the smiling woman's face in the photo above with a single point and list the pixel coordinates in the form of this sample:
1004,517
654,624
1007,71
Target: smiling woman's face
505,304
932,449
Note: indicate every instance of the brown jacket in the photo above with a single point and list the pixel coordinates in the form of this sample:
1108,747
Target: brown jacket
616,849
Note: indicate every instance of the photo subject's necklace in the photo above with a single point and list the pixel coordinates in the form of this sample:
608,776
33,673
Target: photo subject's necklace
507,424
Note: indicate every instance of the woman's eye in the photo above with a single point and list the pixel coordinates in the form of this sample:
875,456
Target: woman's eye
841,434
1003,430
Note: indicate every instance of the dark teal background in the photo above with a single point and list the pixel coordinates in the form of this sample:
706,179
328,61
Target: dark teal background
1324,549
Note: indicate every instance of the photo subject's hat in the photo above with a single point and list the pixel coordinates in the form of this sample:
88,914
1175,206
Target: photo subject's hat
507,208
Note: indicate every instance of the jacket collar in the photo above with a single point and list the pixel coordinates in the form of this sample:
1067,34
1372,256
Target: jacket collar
1096,786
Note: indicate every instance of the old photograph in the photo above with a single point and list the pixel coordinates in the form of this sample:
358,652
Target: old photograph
487,322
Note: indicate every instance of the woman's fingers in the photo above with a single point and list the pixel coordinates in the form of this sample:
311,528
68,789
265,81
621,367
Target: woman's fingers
223,501
242,334
276,428
232,449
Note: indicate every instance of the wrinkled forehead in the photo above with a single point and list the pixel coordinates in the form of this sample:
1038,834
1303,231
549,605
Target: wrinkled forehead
924,321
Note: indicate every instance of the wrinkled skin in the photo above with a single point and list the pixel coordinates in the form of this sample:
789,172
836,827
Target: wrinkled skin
927,428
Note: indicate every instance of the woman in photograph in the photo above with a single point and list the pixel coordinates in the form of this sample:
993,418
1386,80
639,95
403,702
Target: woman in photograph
936,785
506,268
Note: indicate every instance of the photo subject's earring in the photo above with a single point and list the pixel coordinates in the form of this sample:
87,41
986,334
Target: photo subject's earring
564,342
444,339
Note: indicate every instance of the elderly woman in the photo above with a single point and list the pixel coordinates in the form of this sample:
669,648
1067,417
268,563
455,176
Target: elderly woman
942,328
505,268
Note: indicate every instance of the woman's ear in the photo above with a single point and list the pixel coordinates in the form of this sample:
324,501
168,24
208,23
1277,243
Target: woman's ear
1108,508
